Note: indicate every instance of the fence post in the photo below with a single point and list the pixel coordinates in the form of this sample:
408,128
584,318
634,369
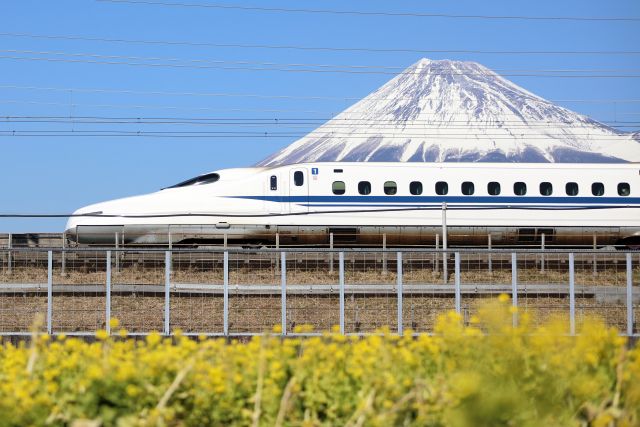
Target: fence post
542,246
445,245
10,253
595,247
629,296
514,286
283,291
225,297
341,271
49,292
399,273
490,261
167,286
108,293
384,253
117,253
330,252
436,262
277,247
572,296
457,282
63,255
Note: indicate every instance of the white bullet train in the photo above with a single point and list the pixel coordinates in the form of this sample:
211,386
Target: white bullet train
356,203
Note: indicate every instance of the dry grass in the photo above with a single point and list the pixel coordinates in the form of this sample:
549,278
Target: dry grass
203,313
612,276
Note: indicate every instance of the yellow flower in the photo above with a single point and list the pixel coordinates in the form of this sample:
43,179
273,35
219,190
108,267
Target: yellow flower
114,323
102,335
153,339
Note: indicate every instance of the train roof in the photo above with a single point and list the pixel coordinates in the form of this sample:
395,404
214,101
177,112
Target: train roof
456,165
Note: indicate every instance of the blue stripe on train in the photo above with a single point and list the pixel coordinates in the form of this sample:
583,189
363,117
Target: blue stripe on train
438,200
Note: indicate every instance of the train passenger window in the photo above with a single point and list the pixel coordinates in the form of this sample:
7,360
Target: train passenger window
415,188
442,188
467,188
390,188
597,189
338,187
624,189
298,178
519,188
572,189
274,183
546,188
493,188
364,187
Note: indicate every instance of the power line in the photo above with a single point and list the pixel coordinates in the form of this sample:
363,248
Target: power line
164,107
260,120
237,68
329,122
261,96
337,67
376,13
261,135
277,68
331,114
318,48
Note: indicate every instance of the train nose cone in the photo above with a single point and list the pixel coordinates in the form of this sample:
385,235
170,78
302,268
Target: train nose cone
84,216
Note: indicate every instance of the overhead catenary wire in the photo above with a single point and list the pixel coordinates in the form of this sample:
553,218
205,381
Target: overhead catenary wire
314,48
336,67
374,13
256,95
546,74
327,123
268,134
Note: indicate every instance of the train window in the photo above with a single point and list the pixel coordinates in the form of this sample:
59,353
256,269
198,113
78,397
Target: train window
298,178
364,187
546,188
442,188
493,188
390,188
571,188
338,187
467,188
624,189
415,188
274,183
208,178
597,189
519,188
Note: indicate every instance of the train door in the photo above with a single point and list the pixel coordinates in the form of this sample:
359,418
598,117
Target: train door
298,190
274,192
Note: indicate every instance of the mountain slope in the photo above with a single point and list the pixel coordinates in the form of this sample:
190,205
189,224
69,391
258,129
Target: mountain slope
439,111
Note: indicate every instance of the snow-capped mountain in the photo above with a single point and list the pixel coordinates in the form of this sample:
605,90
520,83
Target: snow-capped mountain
442,111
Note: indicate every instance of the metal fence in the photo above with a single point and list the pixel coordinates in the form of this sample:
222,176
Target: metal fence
235,292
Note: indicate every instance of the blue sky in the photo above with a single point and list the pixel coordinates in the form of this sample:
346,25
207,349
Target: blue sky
57,174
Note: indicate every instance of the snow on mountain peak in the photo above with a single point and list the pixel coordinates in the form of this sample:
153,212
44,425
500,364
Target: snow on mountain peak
443,110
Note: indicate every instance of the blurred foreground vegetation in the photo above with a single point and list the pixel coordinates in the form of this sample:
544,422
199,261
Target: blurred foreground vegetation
485,374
